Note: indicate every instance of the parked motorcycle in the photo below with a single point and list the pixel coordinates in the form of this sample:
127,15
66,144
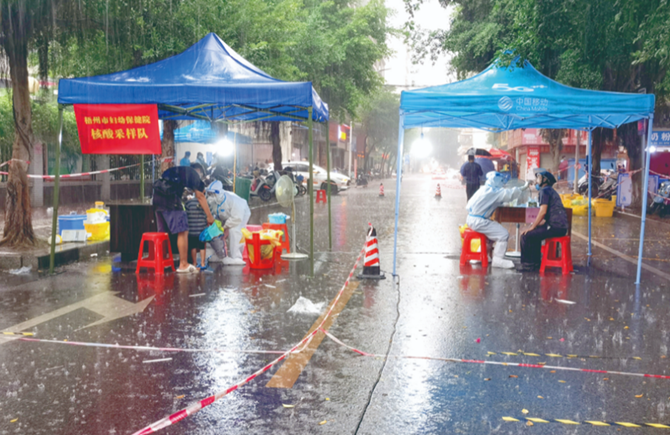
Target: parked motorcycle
361,180
223,175
602,187
661,201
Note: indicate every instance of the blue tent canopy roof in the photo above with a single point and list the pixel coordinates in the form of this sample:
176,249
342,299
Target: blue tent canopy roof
209,80
508,98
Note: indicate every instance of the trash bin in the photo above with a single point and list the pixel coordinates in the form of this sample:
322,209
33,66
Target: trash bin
243,188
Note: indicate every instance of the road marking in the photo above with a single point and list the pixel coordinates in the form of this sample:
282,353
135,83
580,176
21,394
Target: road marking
624,256
105,304
289,372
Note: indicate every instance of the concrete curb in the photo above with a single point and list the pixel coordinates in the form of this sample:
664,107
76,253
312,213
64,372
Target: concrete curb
38,259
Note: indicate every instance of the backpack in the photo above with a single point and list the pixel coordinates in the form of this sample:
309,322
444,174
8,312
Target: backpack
167,195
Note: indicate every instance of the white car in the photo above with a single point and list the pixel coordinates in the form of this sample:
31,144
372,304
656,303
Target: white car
302,168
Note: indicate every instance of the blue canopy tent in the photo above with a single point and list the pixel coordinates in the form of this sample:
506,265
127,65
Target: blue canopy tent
208,81
504,98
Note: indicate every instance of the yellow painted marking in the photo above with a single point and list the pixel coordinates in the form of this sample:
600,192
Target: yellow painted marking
554,355
594,356
567,421
490,353
289,372
624,424
537,420
637,357
597,423
510,419
657,425
509,353
572,356
531,354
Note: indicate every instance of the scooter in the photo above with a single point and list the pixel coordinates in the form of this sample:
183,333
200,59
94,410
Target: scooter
603,187
222,175
361,181
661,201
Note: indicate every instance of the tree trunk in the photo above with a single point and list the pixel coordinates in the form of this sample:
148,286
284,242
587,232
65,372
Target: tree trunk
43,55
598,142
276,145
167,145
632,142
18,229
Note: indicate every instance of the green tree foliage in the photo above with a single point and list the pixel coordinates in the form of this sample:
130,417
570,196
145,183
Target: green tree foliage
595,44
379,120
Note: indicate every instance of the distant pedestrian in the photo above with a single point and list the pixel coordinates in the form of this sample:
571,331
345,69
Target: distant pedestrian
201,159
186,160
563,169
471,173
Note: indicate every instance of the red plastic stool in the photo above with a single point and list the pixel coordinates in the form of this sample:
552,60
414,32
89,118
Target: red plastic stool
285,244
321,196
259,263
466,251
156,259
253,229
550,258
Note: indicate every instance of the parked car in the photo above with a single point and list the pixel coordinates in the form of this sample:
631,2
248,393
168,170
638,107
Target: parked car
339,181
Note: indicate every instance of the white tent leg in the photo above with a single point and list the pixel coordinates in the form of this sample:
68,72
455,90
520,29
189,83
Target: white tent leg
645,195
401,139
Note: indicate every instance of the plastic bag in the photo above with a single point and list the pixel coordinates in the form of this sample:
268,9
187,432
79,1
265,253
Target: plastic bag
267,251
211,232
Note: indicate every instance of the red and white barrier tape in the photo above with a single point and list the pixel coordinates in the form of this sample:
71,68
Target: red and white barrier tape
149,348
86,174
496,363
197,406
13,160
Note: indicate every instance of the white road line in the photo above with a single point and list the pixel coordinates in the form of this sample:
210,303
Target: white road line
624,256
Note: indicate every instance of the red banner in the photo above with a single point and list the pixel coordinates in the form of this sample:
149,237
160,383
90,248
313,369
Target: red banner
118,128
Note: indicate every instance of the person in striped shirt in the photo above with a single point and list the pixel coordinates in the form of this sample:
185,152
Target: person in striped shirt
197,223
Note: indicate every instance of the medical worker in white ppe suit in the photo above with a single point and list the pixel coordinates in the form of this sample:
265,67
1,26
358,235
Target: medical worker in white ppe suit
482,205
234,212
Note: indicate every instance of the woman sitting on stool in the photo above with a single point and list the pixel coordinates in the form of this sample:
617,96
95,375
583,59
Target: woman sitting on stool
551,221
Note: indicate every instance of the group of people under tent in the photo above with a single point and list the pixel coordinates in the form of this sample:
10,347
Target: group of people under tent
188,219
551,221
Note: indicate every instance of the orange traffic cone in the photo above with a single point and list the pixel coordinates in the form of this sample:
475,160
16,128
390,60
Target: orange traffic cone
381,189
438,192
371,266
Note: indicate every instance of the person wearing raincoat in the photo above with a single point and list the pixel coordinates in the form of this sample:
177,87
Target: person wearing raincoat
482,205
234,213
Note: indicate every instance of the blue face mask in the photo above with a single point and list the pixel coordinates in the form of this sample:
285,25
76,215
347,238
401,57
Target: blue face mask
538,187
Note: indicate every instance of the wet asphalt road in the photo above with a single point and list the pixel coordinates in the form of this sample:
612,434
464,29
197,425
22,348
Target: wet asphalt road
437,310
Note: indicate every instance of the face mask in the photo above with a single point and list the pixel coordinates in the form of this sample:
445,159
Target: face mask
538,187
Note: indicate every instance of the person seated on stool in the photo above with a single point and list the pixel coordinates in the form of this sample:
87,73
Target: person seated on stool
170,215
482,205
551,221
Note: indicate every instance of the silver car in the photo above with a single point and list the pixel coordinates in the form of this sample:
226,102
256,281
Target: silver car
302,168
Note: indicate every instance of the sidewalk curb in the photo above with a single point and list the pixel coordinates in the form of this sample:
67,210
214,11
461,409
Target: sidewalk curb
39,259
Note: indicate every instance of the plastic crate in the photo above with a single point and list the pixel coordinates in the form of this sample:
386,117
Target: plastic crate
71,222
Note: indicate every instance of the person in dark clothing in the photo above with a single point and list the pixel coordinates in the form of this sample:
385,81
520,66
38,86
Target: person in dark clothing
170,215
551,221
471,173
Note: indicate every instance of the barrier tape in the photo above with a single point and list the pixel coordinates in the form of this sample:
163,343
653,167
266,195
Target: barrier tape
86,174
568,356
497,363
532,420
24,334
197,406
141,348
14,160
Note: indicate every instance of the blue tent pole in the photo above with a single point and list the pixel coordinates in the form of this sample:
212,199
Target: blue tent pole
401,139
590,176
645,186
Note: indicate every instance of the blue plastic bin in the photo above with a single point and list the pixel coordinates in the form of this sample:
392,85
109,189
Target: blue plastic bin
277,218
71,222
